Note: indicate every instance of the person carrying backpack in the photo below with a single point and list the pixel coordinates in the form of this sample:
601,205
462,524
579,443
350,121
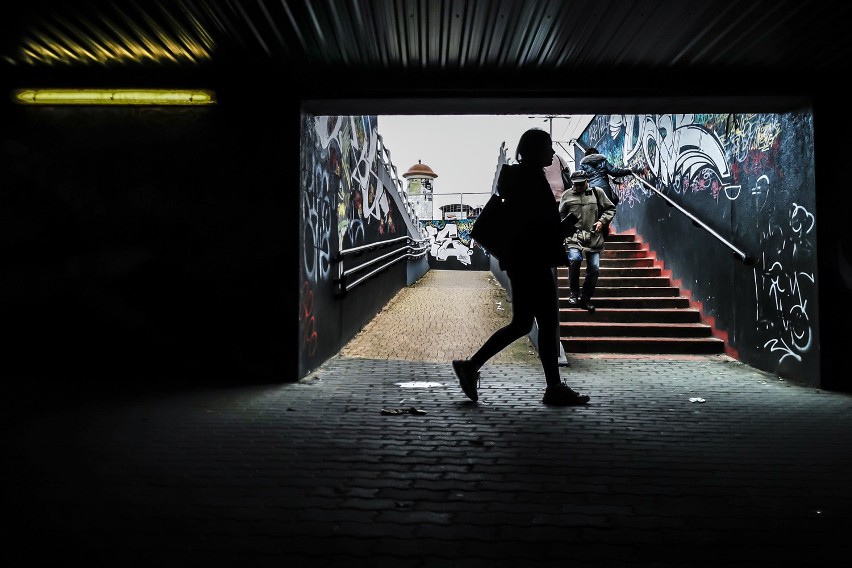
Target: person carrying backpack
599,169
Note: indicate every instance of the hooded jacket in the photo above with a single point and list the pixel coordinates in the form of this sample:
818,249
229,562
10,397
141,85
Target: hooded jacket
599,169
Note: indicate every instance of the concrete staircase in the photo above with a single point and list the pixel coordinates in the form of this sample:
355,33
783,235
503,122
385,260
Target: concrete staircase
638,309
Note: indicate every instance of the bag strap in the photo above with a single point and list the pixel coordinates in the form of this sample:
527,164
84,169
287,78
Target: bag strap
598,201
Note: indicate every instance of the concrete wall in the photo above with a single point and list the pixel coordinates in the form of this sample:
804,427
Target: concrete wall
750,178
146,244
347,202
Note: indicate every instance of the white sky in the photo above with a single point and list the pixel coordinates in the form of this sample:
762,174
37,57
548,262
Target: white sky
463,149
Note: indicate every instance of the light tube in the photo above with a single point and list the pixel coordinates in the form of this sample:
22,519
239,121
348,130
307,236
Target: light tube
114,97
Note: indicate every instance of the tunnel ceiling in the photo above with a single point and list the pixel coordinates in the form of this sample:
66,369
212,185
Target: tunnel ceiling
485,48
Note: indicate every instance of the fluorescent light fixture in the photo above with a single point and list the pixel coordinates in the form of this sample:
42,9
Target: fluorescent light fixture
114,97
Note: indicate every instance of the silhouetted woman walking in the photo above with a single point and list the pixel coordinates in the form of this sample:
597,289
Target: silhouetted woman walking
530,270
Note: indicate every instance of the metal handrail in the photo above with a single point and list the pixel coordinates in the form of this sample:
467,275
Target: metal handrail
740,255
413,249
370,247
746,259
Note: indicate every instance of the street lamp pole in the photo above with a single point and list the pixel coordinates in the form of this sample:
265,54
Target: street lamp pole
549,119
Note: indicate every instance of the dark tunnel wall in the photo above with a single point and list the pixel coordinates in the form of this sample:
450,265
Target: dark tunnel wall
834,238
148,243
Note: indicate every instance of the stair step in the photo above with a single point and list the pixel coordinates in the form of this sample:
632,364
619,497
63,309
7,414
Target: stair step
657,345
621,271
631,262
616,271
614,281
620,238
638,253
610,329
625,262
631,291
623,251
635,302
632,315
623,243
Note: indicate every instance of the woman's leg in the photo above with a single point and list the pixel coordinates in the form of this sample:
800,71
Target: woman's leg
547,316
524,293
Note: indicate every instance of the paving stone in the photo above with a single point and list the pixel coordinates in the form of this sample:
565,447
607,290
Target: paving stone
758,475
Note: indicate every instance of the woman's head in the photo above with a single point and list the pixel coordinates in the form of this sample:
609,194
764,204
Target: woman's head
535,147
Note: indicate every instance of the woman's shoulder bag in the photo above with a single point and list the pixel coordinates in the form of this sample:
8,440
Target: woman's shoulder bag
490,229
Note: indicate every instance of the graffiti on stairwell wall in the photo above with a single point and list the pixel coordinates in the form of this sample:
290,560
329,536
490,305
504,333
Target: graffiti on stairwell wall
782,292
678,153
365,204
750,178
343,205
321,167
451,247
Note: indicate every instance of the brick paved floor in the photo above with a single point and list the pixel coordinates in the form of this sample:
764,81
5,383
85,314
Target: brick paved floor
446,315
312,473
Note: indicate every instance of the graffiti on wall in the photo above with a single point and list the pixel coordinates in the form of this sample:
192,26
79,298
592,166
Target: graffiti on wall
782,291
343,204
450,240
735,160
366,212
321,168
678,153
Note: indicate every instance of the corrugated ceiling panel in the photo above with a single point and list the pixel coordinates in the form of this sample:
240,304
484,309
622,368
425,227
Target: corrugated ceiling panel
435,35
